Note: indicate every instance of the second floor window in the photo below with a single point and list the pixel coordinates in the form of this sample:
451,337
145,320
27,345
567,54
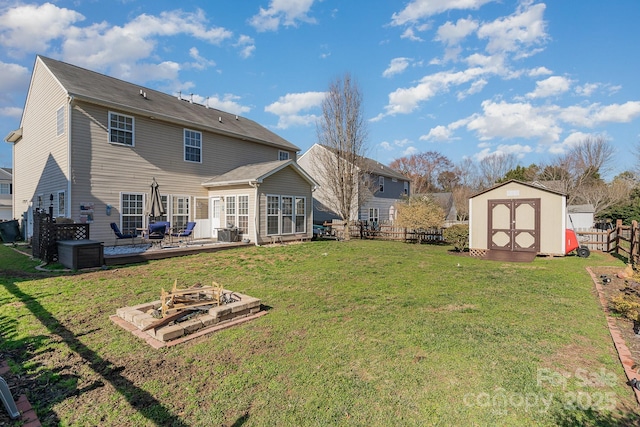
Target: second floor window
192,146
283,155
406,188
121,129
5,188
61,203
381,184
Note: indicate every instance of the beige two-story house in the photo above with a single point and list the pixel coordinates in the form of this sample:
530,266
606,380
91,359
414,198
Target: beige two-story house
89,146
380,188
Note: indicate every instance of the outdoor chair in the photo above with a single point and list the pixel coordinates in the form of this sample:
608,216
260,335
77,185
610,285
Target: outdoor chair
184,234
157,232
120,235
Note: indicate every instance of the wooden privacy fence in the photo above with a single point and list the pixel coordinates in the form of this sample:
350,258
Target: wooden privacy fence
628,241
47,233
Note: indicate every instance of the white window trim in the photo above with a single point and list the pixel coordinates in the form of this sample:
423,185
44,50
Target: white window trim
280,216
170,202
8,187
282,153
133,130
144,208
64,208
184,143
267,215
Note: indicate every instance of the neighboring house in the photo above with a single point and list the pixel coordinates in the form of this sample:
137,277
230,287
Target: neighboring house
515,218
90,146
580,216
446,202
389,188
6,190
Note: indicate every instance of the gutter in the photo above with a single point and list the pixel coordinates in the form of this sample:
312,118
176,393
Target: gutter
256,211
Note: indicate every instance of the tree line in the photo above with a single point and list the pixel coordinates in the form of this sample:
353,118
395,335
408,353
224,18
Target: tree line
578,173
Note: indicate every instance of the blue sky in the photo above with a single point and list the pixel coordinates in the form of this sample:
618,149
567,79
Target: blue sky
466,78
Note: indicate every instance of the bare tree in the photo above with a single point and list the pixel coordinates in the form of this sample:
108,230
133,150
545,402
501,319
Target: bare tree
342,132
423,169
495,166
461,195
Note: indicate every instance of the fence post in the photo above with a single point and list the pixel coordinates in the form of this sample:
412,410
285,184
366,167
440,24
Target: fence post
618,232
634,244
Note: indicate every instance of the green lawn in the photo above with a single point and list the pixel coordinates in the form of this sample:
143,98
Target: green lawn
358,333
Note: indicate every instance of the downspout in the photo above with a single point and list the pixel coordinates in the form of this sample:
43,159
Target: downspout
67,208
256,212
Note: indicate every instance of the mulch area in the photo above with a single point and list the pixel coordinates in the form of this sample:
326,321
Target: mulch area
611,282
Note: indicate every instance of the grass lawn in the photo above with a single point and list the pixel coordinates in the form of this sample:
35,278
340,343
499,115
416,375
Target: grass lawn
358,333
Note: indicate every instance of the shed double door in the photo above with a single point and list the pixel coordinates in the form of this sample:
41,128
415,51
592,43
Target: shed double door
514,225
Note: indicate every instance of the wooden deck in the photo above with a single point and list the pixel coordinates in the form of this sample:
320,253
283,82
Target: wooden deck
170,252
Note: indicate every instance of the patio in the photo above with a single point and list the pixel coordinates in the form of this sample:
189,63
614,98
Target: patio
130,254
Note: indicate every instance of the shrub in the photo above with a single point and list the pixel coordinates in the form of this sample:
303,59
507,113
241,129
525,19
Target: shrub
458,236
626,305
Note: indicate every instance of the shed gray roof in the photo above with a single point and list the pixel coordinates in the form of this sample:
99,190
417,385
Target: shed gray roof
255,173
97,88
372,166
587,208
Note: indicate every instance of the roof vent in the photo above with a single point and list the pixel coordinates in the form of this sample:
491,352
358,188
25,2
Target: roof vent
206,104
180,95
236,117
220,119
191,98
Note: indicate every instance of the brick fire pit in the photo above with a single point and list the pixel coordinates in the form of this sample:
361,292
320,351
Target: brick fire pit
138,317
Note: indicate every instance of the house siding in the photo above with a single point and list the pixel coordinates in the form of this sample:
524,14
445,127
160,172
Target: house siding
286,182
40,153
102,170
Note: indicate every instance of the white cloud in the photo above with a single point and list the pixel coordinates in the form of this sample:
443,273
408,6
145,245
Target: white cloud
410,34
289,107
406,100
396,66
519,31
12,112
475,87
15,78
540,71
596,114
200,63
573,139
409,151
228,102
282,12
30,28
385,145
554,85
438,133
401,142
417,10
516,149
100,46
452,34
587,89
514,120
246,45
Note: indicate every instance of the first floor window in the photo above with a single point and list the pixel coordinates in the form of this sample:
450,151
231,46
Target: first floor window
61,203
180,212
406,188
39,202
374,214
286,215
381,184
273,217
131,212
230,211
243,214
301,215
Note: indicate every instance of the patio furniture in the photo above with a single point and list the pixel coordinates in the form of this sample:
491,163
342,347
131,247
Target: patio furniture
120,235
186,233
157,232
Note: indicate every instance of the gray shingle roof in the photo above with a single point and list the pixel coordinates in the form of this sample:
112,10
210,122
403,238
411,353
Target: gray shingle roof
255,173
98,88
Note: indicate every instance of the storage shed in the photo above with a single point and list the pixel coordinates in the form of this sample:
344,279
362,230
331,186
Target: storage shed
515,221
